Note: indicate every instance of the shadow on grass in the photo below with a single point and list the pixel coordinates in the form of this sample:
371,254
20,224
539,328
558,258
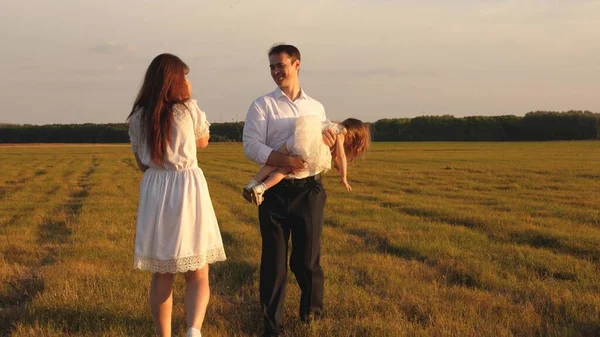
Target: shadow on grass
130,163
231,281
232,275
453,274
547,241
40,172
588,329
435,216
329,222
382,245
57,232
12,186
458,275
13,303
536,239
89,321
52,234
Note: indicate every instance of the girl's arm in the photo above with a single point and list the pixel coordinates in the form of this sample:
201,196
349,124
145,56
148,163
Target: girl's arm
340,160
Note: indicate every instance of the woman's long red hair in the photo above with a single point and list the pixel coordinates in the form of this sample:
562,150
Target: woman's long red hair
164,87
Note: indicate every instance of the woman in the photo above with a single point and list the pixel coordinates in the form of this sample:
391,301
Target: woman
176,231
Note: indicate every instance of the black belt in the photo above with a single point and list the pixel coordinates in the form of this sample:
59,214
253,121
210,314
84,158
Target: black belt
294,181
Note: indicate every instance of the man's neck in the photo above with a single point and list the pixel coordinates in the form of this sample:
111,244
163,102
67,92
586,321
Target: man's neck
292,92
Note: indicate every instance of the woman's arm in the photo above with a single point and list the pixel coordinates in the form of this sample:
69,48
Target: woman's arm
202,143
140,165
340,159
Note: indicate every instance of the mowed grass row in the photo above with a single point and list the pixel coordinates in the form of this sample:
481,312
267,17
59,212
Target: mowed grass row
436,239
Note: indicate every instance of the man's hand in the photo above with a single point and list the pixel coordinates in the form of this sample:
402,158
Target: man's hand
329,137
291,163
296,164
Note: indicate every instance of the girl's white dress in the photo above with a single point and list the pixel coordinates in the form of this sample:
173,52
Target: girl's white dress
177,230
307,142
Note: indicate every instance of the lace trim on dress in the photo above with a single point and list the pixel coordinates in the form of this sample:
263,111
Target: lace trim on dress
202,130
181,113
180,265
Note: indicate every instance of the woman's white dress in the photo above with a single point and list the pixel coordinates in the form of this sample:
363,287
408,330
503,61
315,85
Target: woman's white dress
307,142
177,230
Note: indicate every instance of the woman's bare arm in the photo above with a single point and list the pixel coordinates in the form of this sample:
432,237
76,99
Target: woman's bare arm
140,165
202,143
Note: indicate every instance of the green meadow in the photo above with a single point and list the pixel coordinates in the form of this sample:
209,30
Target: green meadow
436,239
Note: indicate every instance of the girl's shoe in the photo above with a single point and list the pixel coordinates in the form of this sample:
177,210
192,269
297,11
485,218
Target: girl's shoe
257,193
247,191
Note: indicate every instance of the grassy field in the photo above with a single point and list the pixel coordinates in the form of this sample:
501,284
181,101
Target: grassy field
436,239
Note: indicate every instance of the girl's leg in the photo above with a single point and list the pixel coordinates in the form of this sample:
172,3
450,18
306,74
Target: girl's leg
161,302
197,294
264,172
261,175
256,192
275,177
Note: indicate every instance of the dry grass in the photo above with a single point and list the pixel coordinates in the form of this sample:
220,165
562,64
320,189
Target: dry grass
437,239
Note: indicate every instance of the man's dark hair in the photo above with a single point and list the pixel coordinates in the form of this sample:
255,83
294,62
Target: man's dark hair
292,51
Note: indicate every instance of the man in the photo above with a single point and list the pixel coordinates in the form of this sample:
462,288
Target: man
294,206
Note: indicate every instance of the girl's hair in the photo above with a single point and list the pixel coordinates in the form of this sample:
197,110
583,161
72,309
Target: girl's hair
164,87
357,138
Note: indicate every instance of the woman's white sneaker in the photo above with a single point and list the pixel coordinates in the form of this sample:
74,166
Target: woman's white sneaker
193,332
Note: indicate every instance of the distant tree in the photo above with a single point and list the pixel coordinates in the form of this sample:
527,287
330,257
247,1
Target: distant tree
536,125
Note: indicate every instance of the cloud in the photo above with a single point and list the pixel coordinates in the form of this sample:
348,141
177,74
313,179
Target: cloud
113,47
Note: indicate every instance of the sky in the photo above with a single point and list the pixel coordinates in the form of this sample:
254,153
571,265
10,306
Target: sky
83,61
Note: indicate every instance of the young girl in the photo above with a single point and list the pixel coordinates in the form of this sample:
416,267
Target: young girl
176,230
352,140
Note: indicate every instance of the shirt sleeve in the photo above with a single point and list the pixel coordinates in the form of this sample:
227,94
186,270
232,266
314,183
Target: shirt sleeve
201,124
255,135
323,115
134,133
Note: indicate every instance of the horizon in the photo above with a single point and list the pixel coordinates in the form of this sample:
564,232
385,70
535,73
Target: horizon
72,63
365,121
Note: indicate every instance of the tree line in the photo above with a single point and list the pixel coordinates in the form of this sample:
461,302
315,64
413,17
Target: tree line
538,125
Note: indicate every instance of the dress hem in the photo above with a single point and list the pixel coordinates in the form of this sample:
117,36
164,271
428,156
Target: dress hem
179,265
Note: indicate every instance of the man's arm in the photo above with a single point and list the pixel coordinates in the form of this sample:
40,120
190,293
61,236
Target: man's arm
255,135
329,137
292,163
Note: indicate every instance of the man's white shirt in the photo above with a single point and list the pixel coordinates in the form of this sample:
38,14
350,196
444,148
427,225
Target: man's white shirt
270,122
